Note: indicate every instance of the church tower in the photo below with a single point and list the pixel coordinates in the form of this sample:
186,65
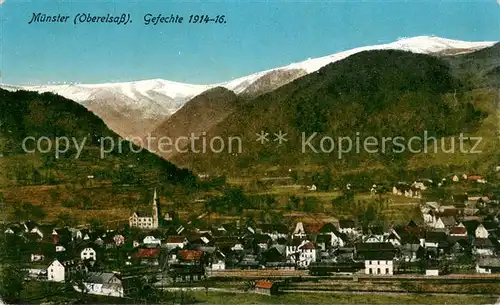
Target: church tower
155,210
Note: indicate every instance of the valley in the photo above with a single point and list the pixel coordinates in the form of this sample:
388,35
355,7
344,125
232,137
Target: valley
332,166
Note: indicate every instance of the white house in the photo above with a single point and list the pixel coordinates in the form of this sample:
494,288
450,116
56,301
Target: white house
88,253
299,231
151,240
394,238
379,263
419,185
105,283
75,233
37,256
275,231
337,240
488,265
312,188
56,271
307,254
347,227
429,218
481,232
218,261
301,252
176,242
372,238
292,248
238,246
483,247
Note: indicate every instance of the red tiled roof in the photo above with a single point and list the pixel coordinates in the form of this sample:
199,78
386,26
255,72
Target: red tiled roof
458,230
308,245
313,227
190,255
474,177
142,253
263,284
449,212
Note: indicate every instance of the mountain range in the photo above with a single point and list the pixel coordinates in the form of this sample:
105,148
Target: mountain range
377,93
134,109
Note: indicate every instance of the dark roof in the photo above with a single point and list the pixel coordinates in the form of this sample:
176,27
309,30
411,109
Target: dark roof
483,243
281,241
30,225
273,255
489,262
346,223
261,238
490,225
226,241
458,230
295,242
324,239
412,224
448,220
374,247
142,214
376,230
379,256
437,237
328,227
274,228
175,239
470,225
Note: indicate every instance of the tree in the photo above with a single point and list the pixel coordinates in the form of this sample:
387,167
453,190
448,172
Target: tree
78,279
95,224
294,202
66,219
11,283
34,212
323,180
371,212
310,204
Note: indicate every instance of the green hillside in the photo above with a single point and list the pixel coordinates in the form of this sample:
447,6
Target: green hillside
374,93
121,180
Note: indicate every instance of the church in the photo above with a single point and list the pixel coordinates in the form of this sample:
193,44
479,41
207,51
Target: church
143,220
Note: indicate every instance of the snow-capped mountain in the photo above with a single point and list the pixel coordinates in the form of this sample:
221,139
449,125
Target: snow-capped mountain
144,104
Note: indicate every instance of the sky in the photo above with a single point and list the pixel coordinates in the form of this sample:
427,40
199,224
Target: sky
256,36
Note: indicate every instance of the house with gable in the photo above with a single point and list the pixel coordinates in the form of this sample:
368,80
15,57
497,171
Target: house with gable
348,226
481,232
379,263
102,283
299,231
176,241
336,238
144,220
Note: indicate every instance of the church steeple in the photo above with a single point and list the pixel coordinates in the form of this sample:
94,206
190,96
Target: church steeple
155,210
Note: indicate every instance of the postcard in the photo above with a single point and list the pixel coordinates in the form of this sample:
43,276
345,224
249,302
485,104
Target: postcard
249,152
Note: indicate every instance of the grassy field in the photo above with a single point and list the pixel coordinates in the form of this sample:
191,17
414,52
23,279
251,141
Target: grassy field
333,298
54,293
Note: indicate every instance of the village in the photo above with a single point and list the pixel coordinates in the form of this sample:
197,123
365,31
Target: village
165,251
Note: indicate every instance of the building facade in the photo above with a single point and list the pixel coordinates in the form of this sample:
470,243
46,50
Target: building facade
145,220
